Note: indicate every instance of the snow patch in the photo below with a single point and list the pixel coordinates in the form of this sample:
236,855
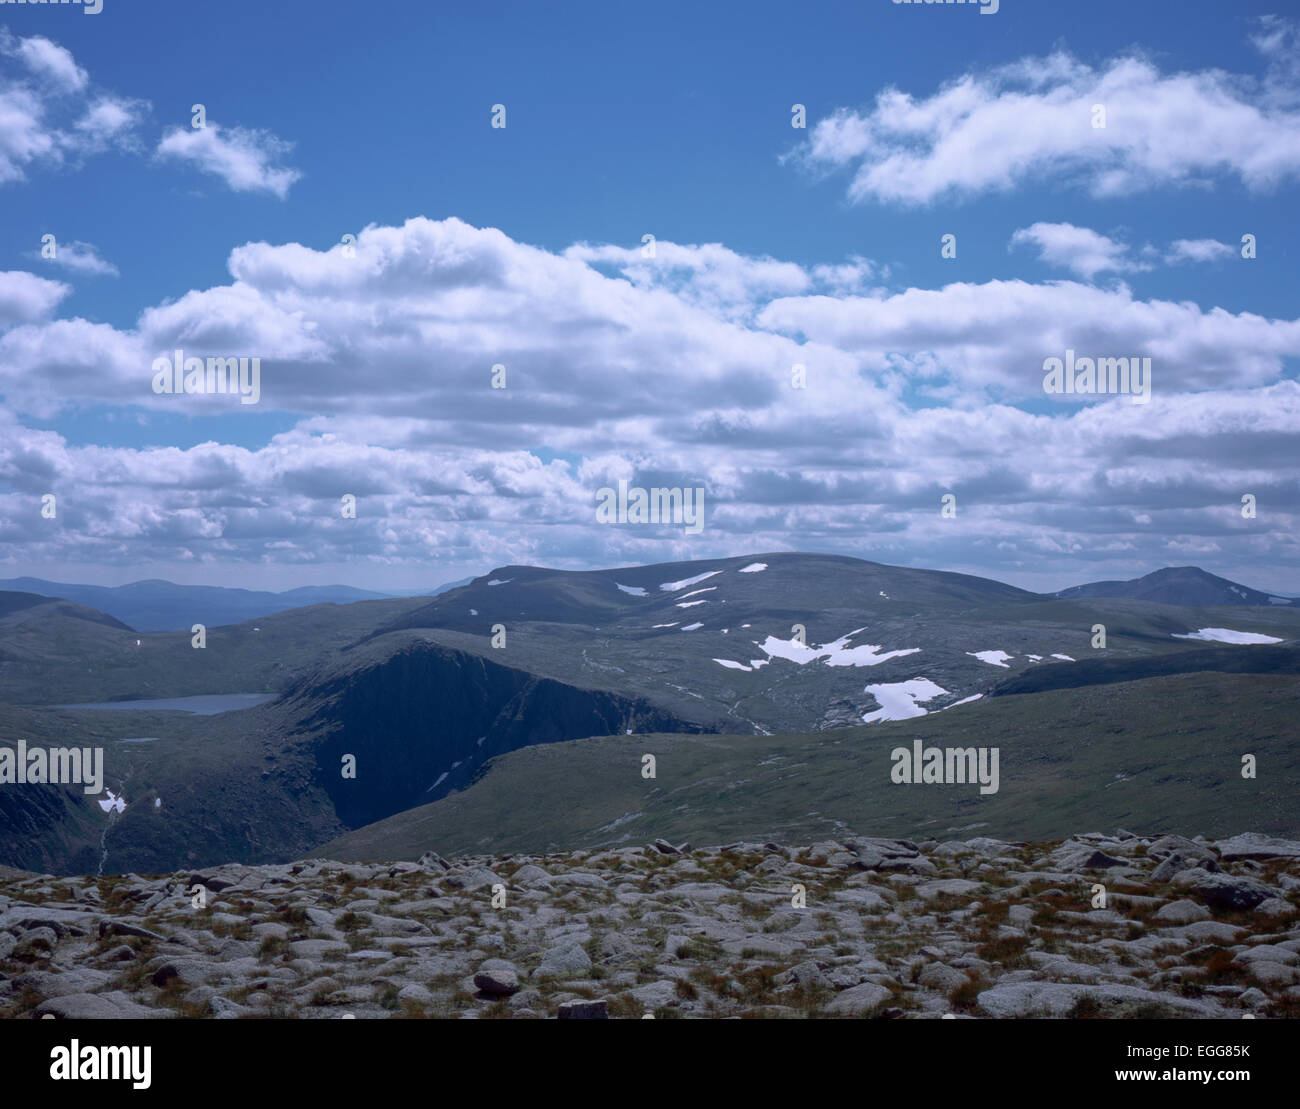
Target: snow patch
1227,635
672,625
673,586
697,592
692,627
753,568
114,802
690,604
993,658
836,653
632,590
500,581
898,700
1034,658
1066,658
733,665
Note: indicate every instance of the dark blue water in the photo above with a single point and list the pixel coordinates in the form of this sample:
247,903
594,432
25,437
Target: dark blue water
207,705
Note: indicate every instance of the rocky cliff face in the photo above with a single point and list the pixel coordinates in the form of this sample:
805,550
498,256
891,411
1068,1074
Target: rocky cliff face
47,828
422,721
267,784
846,928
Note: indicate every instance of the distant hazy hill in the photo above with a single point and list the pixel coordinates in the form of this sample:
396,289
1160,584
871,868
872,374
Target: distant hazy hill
163,606
23,608
1179,585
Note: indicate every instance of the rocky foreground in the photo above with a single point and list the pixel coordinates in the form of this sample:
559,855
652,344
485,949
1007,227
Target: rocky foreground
860,928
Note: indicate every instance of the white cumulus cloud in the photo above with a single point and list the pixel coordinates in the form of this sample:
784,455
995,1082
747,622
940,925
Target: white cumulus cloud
1032,120
246,160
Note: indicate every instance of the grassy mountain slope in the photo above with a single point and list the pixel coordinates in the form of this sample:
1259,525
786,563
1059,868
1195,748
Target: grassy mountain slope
67,657
1159,754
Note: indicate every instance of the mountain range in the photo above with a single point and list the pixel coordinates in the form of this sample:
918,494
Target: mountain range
513,711
159,606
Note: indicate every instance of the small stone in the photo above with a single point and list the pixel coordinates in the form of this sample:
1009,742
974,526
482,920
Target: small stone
1181,912
580,1010
859,1000
498,978
564,962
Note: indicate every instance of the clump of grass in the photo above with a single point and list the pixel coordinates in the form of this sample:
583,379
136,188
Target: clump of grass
1284,1008
133,978
1148,1010
271,947
758,984
411,1010
625,1005
994,913
241,931
24,1003
963,998
1086,1008
1220,971
710,979
1009,951
32,949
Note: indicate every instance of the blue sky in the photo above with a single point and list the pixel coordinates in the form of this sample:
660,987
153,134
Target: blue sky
330,118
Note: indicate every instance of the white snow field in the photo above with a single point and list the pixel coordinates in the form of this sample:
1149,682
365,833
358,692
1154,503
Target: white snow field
673,586
898,700
836,653
993,658
1227,635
